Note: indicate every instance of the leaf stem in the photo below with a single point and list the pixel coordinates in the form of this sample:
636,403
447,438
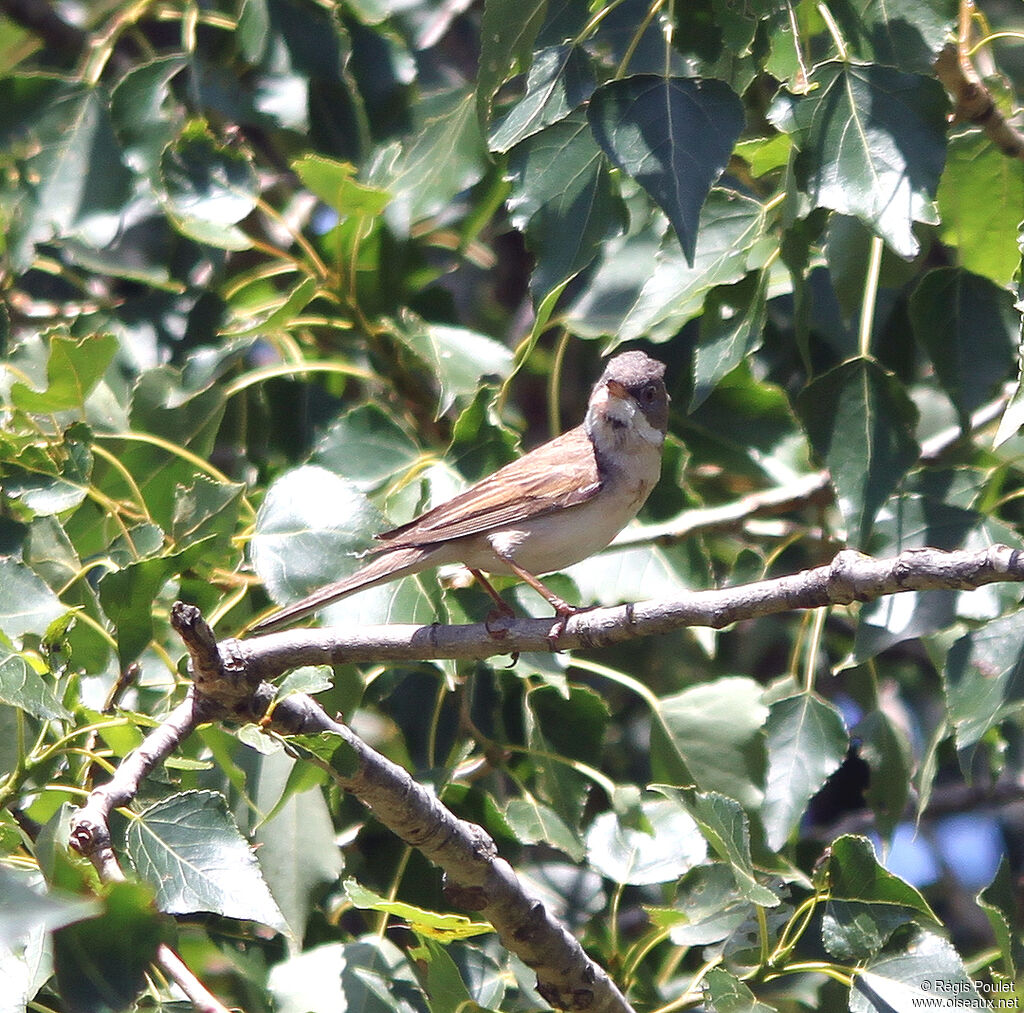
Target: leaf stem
833,29
870,300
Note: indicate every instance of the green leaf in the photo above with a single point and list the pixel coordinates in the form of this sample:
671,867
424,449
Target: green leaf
101,962
23,687
54,479
432,924
367,446
189,849
73,368
206,509
807,742
145,114
79,184
726,828
311,529
867,903
532,822
673,136
330,748
708,907
27,605
730,331
26,908
127,596
725,993
969,327
1002,909
980,194
872,144
670,847
886,750
562,198
717,729
861,424
907,34
457,358
208,188
919,970
444,157
507,32
560,80
673,291
984,677
334,183
567,729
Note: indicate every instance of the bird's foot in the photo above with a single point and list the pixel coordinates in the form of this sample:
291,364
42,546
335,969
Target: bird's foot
498,620
563,613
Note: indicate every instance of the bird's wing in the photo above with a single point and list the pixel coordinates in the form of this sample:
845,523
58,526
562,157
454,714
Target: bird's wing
557,474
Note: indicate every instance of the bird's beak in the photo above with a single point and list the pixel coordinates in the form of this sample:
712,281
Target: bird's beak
617,390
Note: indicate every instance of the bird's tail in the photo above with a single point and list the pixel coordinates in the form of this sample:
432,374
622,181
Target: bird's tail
387,566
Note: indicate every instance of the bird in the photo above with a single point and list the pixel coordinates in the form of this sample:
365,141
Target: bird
556,505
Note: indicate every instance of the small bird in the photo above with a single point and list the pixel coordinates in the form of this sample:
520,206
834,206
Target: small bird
558,504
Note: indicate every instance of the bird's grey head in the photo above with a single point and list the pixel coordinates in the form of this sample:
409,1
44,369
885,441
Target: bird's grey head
644,379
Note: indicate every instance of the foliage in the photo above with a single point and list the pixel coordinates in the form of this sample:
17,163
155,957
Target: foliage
275,272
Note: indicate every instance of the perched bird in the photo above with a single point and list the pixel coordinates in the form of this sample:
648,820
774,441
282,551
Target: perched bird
558,504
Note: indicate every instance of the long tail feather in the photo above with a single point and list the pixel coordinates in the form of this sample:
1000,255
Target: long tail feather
387,566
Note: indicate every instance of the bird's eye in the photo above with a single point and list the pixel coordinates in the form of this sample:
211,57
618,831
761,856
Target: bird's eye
649,393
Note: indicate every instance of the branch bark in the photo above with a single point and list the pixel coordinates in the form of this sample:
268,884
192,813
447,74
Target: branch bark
850,577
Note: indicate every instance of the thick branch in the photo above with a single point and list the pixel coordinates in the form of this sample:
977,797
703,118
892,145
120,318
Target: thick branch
848,578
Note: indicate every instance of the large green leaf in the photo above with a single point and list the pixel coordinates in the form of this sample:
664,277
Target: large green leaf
920,971
507,31
562,198
23,687
969,327
79,185
25,907
861,424
560,80
145,115
708,908
311,529
188,847
980,196
101,962
984,677
673,135
673,290
27,605
807,741
669,845
717,728
902,33
872,144
562,730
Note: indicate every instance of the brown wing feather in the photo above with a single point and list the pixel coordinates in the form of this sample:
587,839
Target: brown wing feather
560,473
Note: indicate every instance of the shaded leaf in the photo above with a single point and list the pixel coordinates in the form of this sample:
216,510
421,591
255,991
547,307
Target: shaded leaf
717,729
969,328
532,822
562,198
906,33
507,31
23,687
708,908
25,907
1002,909
560,80
984,677
189,848
725,993
806,741
101,962
673,135
27,605
145,115
872,144
73,368
861,424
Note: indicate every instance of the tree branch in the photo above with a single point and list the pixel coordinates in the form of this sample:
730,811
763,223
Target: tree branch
850,577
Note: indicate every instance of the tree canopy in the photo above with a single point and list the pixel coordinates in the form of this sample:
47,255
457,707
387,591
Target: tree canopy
278,274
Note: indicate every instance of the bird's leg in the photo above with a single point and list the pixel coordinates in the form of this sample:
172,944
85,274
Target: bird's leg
562,608
504,610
